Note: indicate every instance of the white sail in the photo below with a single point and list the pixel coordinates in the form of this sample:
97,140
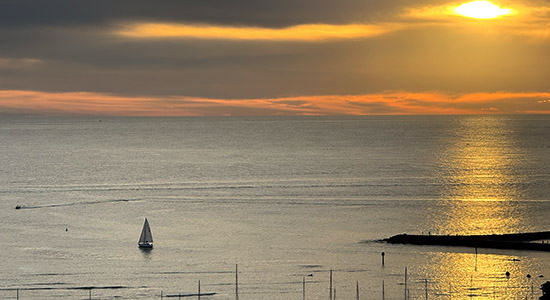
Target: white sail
146,237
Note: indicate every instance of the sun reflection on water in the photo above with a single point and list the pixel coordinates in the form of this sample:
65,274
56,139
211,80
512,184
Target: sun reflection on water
479,199
481,276
482,157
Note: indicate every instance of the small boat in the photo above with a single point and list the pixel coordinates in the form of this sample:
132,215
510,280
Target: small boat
146,238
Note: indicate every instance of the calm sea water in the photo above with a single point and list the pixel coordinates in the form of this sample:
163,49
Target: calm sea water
285,198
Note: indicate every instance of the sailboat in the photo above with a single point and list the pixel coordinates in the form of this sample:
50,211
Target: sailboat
146,238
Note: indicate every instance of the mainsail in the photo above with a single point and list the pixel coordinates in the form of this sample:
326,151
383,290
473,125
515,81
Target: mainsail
146,236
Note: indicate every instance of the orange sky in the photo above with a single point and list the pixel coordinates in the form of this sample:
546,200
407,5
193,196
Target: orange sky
401,103
352,57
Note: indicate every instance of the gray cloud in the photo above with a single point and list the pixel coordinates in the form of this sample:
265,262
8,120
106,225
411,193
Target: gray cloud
74,50
270,13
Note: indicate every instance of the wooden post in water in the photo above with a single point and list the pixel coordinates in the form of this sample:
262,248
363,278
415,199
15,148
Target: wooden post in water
357,290
199,293
90,294
17,292
529,279
303,288
476,261
383,292
236,282
160,295
383,254
330,286
405,283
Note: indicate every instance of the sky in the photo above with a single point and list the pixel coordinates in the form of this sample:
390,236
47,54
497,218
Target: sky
273,57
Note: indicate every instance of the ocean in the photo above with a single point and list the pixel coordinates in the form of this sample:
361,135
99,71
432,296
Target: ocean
286,199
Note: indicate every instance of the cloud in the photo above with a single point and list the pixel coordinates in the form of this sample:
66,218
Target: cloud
520,19
413,59
248,13
388,103
305,32
18,63
247,49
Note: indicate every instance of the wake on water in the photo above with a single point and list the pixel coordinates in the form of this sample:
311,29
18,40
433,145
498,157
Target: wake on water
75,203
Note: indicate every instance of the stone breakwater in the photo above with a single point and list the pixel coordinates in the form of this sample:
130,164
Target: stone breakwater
537,241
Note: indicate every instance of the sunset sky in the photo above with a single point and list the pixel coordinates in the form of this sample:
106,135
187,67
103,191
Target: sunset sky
274,57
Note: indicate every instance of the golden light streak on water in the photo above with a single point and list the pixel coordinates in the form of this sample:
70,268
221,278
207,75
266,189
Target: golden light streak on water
482,156
463,276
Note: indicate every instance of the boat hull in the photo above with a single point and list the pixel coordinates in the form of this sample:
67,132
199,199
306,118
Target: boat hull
145,245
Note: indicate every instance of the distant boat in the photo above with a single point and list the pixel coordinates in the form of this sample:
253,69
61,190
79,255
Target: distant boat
146,238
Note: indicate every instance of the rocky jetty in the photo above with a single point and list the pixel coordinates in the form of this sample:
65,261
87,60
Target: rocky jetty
537,241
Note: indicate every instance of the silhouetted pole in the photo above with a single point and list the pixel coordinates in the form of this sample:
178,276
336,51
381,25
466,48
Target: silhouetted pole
383,292
160,295
383,254
357,289
405,283
476,261
529,279
236,282
199,290
17,293
303,288
330,286
90,294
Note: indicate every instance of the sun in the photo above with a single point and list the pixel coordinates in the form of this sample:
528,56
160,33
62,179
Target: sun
482,10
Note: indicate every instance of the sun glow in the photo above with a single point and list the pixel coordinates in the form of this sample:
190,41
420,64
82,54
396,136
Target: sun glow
482,10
